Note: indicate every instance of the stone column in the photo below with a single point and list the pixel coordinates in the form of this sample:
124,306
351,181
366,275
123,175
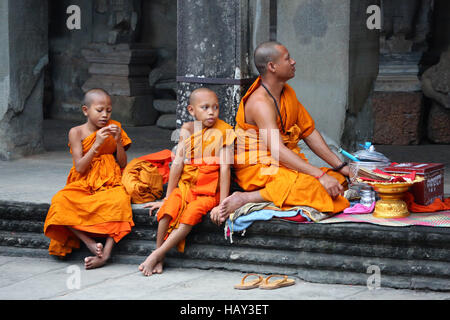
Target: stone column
213,51
337,63
23,56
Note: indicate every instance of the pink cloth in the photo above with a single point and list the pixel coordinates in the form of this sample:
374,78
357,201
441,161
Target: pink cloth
359,208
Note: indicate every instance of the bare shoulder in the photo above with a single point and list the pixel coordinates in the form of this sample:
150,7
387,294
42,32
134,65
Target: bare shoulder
76,132
188,126
258,106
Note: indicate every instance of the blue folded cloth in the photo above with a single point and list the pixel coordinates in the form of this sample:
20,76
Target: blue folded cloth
244,221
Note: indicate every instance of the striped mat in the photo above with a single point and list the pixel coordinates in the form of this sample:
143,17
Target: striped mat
429,219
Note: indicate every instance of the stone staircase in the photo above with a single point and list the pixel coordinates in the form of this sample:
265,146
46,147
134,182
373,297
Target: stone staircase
407,257
162,80
166,106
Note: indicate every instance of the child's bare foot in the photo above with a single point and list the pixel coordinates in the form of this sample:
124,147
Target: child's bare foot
99,250
96,248
158,267
148,265
94,262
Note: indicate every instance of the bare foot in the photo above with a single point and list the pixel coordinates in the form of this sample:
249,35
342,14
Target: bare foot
99,250
232,203
94,262
96,248
148,265
158,267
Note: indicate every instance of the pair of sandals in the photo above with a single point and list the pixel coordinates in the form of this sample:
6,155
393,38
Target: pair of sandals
264,283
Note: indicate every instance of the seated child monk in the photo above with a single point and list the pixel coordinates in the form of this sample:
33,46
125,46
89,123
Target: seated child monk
93,202
201,169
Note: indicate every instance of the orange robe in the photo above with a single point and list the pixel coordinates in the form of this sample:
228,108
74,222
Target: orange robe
94,202
198,188
144,177
255,169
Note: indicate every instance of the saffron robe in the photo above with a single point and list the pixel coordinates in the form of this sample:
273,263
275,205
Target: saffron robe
144,177
255,169
94,202
198,188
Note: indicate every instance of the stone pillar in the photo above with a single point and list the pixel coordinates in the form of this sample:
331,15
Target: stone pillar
23,56
337,63
213,51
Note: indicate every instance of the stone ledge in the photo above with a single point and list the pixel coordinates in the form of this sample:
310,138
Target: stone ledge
408,257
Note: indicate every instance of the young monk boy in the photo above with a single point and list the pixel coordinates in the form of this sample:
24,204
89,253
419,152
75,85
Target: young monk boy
201,169
93,202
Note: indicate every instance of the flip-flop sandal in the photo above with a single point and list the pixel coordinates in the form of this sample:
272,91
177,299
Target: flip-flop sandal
249,284
275,284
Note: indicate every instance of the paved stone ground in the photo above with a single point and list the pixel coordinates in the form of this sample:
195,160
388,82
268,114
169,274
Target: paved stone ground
50,279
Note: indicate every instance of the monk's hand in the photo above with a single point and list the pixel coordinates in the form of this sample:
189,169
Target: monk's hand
115,131
331,185
101,135
152,206
215,215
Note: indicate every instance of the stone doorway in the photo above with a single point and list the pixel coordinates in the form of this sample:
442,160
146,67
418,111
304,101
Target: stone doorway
126,47
412,75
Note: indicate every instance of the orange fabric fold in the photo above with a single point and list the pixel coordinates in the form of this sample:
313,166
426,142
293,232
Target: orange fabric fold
161,160
95,202
198,188
437,205
144,177
255,169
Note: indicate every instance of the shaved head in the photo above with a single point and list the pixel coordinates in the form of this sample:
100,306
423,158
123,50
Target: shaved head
94,94
197,92
265,53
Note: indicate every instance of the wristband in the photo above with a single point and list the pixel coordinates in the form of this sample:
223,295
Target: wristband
318,177
343,164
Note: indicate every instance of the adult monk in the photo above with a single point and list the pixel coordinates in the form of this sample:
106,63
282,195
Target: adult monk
271,118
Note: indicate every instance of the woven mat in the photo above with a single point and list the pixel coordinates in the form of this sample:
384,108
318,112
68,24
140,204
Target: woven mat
429,219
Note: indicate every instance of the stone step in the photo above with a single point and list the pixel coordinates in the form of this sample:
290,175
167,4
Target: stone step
345,269
167,121
407,257
12,230
290,257
29,217
124,54
167,85
165,105
118,85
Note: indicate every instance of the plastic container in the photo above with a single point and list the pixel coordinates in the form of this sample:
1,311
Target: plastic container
367,196
369,160
369,165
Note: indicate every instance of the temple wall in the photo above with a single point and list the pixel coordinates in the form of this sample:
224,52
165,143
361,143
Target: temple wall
23,60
